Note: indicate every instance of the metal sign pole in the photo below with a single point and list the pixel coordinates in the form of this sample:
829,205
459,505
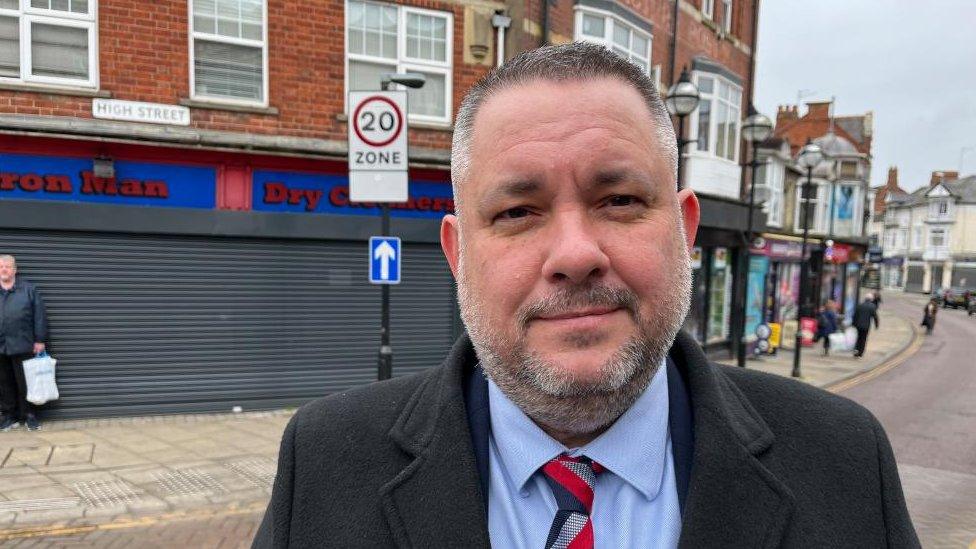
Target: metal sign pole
385,366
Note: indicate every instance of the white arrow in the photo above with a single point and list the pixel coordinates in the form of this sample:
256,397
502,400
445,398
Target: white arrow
385,253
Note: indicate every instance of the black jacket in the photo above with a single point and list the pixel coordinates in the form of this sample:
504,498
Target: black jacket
863,315
776,463
23,321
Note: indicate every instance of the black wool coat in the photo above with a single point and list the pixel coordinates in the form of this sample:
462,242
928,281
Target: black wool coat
776,463
23,320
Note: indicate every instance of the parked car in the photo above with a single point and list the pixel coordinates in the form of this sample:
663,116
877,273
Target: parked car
957,297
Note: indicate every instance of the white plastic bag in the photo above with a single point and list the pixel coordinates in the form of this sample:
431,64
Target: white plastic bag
851,334
39,374
838,342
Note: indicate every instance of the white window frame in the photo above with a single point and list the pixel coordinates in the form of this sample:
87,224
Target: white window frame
945,238
607,40
708,9
918,234
25,15
714,98
727,16
402,63
774,175
820,214
263,43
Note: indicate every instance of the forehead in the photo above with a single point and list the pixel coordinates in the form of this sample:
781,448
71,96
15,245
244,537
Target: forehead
545,124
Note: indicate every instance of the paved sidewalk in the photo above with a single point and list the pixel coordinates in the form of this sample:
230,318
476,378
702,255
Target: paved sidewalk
895,335
119,472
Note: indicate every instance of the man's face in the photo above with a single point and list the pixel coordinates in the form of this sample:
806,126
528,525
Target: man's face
7,270
569,250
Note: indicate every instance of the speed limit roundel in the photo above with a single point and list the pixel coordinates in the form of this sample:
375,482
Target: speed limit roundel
378,121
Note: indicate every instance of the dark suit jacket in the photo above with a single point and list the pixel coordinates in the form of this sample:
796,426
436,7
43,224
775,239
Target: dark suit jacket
23,321
863,315
775,464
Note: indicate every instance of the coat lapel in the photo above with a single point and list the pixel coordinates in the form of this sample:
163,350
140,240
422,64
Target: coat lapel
436,501
733,500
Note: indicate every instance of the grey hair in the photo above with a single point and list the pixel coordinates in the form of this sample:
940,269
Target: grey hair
575,62
9,258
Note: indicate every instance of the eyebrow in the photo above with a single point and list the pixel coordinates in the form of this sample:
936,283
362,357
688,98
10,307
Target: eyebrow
512,189
610,178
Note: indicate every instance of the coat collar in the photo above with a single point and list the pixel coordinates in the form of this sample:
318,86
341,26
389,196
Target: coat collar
733,499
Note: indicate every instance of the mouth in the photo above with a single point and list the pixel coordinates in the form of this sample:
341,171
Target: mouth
579,313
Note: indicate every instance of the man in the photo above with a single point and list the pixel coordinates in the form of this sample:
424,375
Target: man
573,417
863,315
23,333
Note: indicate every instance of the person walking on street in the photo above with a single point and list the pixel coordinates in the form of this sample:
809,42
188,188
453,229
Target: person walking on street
928,315
863,315
23,333
877,300
826,324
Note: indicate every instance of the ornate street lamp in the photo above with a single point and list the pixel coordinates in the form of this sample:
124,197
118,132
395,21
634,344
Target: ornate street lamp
810,156
755,129
682,100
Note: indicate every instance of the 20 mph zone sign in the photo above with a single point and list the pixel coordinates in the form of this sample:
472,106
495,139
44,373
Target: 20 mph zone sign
378,146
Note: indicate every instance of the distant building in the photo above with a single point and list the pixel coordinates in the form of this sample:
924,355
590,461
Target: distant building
931,234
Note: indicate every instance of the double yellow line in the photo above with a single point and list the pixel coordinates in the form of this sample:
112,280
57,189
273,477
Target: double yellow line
894,361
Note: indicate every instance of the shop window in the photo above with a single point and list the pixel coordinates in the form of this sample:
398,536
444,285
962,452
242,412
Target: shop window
385,38
48,42
717,117
719,295
229,51
615,34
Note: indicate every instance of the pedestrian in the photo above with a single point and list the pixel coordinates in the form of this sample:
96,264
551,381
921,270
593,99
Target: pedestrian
928,315
863,315
571,410
23,333
826,324
877,300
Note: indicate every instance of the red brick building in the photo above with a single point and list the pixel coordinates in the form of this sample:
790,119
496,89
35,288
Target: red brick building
173,175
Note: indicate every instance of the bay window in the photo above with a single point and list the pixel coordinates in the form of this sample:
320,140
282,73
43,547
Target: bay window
617,35
717,118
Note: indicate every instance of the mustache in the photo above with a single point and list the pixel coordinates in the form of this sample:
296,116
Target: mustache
577,297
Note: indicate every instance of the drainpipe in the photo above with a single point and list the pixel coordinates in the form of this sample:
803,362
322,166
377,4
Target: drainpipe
501,22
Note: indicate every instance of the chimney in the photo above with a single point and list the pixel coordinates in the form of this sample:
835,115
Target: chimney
818,110
892,178
943,175
785,113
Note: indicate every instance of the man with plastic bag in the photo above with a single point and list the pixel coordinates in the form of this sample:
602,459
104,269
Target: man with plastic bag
23,333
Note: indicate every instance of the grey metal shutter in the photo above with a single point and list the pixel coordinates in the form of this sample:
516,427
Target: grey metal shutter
964,276
914,278
163,324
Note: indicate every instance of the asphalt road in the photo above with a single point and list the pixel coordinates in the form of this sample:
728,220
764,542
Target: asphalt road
928,408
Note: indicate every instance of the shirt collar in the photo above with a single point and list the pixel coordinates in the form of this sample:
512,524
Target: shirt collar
634,448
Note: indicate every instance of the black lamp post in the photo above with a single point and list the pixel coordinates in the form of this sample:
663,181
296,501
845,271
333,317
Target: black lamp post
385,359
682,100
810,156
756,128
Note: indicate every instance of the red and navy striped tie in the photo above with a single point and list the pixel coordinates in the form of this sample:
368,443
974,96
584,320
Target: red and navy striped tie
572,480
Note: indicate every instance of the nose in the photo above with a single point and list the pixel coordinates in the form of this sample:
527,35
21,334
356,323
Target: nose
575,254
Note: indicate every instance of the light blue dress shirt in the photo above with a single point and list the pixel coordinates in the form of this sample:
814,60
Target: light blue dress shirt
635,500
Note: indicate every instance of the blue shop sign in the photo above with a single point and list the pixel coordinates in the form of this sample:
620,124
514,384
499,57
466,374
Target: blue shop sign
27,177
296,192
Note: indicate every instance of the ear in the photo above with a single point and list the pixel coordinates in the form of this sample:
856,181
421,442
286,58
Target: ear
450,230
690,214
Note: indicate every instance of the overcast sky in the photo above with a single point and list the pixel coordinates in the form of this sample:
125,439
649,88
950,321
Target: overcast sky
912,62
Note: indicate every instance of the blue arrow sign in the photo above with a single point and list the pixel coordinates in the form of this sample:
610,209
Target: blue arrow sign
384,260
